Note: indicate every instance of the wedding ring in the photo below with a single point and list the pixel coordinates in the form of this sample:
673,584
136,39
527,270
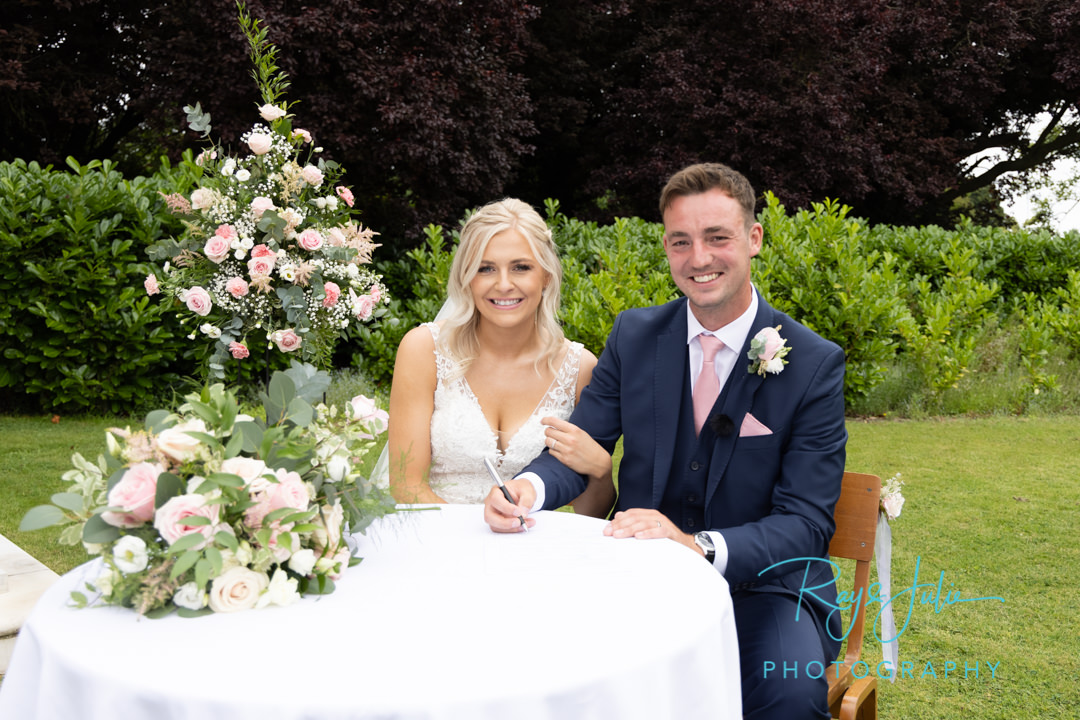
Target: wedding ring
554,443
658,524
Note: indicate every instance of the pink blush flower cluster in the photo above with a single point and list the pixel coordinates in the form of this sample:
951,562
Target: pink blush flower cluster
271,246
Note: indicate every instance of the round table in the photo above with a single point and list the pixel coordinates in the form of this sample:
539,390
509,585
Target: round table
443,619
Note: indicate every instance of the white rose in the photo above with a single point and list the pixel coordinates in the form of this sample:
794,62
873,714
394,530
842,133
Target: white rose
129,554
281,591
774,366
189,596
338,468
302,561
243,175
250,470
236,589
210,330
104,582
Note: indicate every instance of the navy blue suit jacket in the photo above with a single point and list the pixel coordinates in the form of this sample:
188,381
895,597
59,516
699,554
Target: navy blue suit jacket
772,497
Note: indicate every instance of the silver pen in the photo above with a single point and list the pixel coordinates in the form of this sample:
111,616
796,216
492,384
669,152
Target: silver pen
506,493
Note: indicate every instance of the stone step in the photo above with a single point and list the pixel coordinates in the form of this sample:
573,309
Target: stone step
22,581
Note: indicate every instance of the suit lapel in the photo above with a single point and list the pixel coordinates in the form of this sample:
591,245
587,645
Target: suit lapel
736,399
670,371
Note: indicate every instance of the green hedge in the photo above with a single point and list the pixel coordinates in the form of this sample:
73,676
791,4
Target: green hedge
77,331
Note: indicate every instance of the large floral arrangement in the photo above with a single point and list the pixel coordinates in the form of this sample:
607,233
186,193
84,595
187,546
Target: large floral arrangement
272,259
207,509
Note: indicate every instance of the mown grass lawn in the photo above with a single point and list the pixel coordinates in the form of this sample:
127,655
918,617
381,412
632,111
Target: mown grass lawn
993,509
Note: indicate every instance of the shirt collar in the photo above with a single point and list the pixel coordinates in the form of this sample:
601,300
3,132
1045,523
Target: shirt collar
733,335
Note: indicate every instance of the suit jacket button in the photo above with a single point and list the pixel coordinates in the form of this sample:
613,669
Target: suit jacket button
695,465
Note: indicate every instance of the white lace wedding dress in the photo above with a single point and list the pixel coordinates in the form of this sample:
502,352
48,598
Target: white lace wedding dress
461,437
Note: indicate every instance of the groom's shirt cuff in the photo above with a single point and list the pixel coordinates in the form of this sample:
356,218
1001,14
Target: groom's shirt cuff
538,485
720,561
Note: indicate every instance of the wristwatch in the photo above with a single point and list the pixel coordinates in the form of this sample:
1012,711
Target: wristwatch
703,541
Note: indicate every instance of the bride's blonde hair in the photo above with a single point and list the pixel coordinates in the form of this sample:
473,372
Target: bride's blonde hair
458,334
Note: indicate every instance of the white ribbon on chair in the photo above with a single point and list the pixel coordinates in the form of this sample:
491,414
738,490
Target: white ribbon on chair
890,647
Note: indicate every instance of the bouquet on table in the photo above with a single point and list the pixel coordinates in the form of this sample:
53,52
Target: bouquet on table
209,510
271,259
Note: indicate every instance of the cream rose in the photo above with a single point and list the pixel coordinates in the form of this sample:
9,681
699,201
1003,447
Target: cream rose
260,143
270,113
286,340
236,589
202,199
177,443
312,175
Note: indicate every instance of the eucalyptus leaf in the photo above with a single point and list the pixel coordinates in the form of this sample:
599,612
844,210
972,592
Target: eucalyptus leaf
97,531
186,543
158,613
184,563
187,613
300,412
252,434
156,421
42,516
168,487
68,501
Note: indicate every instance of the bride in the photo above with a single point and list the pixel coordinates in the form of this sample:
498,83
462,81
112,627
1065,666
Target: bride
496,378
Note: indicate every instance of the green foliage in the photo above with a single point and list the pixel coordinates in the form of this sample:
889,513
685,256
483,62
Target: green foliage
76,327
815,266
607,269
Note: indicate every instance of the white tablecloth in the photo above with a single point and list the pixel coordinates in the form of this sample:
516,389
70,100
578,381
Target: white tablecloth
442,620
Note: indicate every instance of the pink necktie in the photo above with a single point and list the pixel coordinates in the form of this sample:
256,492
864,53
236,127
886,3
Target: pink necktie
707,387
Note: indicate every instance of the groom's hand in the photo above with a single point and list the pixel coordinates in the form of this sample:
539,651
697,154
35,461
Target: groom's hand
503,516
645,524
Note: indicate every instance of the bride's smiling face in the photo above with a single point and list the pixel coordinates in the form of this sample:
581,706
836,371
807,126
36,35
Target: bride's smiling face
509,283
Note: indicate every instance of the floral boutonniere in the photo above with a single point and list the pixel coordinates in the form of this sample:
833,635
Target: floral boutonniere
767,351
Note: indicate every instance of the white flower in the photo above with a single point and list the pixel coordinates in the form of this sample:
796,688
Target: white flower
893,504
338,468
129,554
287,272
243,175
210,330
281,591
270,113
177,444
228,167
190,596
302,562
774,366
105,581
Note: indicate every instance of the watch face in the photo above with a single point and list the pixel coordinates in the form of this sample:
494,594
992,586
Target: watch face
705,543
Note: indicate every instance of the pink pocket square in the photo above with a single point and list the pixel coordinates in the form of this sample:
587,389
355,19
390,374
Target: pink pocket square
752,427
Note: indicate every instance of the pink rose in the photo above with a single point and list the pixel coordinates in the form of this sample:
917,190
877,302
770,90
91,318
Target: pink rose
204,156
237,287
262,251
270,113
893,503
217,249
289,491
260,143
333,292
261,265
135,495
170,518
362,306
239,350
302,134
286,340
312,175
197,300
260,205
310,240
345,194
226,231
376,293
151,284
773,342
367,412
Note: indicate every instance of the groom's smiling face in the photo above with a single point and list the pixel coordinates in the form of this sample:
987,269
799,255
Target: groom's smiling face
709,246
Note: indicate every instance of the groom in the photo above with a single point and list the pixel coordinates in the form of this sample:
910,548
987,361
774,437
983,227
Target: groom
739,458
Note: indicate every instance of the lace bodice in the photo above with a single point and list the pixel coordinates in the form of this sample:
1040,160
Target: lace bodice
461,437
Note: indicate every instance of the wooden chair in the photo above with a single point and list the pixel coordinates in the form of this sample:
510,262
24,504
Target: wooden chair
852,698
